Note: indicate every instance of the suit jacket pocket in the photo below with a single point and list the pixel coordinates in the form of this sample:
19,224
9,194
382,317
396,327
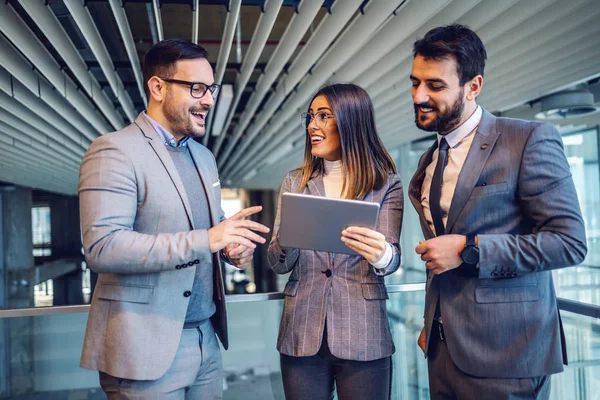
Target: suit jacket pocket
506,294
291,288
130,293
374,291
489,189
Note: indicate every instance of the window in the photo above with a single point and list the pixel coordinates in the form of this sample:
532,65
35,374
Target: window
40,223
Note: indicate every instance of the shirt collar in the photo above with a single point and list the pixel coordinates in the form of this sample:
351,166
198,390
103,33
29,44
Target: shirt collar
164,135
457,135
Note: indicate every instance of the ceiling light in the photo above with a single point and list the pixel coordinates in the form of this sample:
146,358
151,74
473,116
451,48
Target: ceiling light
567,104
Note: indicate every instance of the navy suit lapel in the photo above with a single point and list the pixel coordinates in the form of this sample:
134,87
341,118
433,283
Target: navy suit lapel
163,154
481,148
414,189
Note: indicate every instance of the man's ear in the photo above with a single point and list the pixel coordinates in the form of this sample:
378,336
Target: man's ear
156,88
474,87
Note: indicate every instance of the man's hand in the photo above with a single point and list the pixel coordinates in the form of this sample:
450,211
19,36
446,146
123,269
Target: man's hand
237,230
442,253
239,255
421,340
368,243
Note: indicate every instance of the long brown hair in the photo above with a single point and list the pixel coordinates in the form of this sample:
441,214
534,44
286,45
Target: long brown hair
366,164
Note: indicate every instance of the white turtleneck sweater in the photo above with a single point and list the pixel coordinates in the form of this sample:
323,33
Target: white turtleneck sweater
333,180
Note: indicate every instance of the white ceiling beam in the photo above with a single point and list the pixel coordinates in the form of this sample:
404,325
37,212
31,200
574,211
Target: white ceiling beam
345,47
86,25
288,43
24,151
121,18
19,68
45,19
224,50
19,99
195,17
401,29
45,136
157,19
36,54
13,127
325,34
257,44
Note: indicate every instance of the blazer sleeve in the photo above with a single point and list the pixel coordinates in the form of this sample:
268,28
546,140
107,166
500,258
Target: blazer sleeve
549,201
108,206
389,223
282,260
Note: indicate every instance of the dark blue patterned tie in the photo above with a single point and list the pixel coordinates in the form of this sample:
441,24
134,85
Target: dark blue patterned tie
435,193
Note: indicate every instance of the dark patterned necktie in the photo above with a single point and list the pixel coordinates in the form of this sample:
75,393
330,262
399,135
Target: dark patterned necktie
435,192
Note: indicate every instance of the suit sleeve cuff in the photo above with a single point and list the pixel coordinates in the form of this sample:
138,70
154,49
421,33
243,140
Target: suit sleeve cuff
385,259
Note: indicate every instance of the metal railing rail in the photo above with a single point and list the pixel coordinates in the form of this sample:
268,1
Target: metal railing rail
576,307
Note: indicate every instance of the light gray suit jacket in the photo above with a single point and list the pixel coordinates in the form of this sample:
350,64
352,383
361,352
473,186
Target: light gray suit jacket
138,235
516,193
352,300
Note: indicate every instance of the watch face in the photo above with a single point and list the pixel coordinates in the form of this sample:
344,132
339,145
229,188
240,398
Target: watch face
470,255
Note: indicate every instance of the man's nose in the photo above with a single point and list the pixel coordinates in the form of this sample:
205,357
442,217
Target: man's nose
420,95
207,100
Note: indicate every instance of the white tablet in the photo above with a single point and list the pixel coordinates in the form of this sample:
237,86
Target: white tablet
316,223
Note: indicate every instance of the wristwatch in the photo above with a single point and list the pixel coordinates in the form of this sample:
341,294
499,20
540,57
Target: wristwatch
470,254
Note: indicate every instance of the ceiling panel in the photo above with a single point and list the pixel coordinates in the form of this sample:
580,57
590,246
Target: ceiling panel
70,70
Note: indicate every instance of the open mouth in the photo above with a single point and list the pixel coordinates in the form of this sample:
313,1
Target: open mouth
315,139
426,110
200,117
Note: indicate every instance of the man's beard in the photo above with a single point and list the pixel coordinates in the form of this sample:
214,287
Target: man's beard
444,122
180,120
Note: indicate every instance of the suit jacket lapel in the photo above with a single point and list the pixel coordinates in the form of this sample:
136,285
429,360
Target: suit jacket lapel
414,189
315,186
163,154
483,143
206,183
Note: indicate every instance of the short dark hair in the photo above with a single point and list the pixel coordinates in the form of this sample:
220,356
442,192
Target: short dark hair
458,41
161,58
365,161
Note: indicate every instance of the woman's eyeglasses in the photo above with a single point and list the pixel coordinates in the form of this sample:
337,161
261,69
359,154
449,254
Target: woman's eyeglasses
320,118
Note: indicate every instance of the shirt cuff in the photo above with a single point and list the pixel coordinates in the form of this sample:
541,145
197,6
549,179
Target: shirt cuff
387,257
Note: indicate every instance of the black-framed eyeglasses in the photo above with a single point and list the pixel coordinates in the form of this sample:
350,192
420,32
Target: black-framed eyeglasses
320,118
197,89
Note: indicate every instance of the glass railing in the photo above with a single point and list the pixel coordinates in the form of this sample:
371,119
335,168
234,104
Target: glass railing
43,345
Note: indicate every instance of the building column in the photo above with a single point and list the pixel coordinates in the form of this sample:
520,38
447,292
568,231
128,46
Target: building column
66,245
16,266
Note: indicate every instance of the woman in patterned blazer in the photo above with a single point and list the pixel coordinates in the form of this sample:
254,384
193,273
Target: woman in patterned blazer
334,326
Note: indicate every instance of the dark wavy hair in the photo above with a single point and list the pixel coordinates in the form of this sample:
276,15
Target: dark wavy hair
458,41
161,58
366,163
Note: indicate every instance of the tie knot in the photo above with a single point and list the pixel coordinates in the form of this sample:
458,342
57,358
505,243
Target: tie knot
444,145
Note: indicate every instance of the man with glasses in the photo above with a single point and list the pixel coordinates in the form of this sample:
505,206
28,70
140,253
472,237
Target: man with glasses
154,231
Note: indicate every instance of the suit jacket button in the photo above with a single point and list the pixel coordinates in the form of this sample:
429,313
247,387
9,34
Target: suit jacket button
494,273
190,264
328,273
196,261
187,293
178,267
281,259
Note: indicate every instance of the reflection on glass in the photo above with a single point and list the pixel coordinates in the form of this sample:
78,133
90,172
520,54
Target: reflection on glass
582,283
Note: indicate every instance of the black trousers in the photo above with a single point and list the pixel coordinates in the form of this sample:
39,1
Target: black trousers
313,377
447,382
